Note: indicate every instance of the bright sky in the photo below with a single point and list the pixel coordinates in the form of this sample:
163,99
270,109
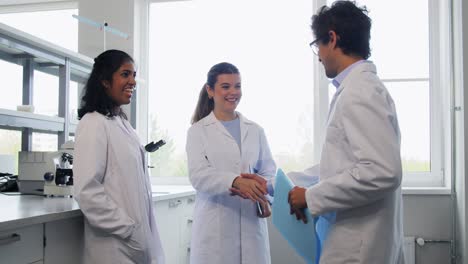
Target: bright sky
58,27
271,50
269,46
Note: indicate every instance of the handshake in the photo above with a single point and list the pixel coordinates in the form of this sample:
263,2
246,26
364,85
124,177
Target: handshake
254,187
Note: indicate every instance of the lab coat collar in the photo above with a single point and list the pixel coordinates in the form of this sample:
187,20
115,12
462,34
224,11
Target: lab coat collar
125,125
128,129
363,66
244,124
211,118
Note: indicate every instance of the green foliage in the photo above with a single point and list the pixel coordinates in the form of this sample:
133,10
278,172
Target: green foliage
413,165
296,162
11,144
165,161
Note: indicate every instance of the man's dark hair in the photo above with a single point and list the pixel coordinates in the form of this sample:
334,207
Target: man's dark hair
350,23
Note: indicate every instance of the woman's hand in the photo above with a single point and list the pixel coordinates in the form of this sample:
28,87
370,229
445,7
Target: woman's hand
256,177
250,188
253,176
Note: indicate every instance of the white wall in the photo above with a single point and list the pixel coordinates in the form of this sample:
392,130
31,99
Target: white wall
127,16
426,216
460,34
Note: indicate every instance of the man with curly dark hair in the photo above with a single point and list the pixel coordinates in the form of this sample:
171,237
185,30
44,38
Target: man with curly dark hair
360,168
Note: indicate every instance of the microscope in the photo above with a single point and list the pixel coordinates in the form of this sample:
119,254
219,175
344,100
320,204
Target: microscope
46,173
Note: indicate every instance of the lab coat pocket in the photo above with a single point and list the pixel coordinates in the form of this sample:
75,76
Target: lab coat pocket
134,246
343,245
136,239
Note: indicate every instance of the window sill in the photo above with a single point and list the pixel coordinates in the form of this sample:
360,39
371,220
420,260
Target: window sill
426,191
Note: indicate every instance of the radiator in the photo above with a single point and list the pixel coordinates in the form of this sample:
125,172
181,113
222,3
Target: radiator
409,249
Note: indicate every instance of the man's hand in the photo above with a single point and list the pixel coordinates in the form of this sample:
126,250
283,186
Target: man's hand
297,202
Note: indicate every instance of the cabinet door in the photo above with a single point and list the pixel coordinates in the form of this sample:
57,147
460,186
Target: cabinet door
167,214
21,246
64,241
174,220
186,229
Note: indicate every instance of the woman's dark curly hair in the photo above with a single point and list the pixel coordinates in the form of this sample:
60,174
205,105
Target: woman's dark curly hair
350,23
95,97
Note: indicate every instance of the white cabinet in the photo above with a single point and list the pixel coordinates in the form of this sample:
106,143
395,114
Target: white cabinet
22,246
55,242
64,241
174,220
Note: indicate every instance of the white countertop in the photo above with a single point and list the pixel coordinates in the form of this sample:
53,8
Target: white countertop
165,192
23,210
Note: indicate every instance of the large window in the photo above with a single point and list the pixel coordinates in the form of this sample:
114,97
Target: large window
409,61
277,67
12,96
55,26
59,28
270,48
9,147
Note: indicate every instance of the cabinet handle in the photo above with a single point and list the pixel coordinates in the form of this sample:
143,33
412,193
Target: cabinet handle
175,203
189,221
10,239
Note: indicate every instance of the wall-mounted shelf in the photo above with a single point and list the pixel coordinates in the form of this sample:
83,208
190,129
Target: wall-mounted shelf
17,119
16,45
35,54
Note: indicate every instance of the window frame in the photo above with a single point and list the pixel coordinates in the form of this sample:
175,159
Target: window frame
440,100
440,62
71,67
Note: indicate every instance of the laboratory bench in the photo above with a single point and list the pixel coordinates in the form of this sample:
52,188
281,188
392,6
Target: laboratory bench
36,229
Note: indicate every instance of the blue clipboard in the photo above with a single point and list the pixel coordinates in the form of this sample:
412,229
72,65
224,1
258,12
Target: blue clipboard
302,237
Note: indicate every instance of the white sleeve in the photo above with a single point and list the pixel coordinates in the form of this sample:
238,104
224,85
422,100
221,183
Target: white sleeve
202,173
265,165
371,130
89,168
305,178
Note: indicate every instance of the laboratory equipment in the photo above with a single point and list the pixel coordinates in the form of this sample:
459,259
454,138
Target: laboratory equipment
46,172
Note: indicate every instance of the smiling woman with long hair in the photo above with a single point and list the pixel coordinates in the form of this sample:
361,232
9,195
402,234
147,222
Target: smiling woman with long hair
112,185
230,165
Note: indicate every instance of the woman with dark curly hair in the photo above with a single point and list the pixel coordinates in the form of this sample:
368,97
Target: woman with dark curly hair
112,185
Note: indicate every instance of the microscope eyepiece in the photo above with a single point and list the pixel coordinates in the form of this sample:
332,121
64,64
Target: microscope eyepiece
152,147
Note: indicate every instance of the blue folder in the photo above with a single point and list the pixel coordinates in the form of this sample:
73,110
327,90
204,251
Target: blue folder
302,237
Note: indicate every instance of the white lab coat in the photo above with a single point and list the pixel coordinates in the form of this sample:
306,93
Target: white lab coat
360,174
226,229
113,191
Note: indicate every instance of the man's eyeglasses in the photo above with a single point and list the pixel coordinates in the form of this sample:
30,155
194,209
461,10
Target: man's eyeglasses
314,45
